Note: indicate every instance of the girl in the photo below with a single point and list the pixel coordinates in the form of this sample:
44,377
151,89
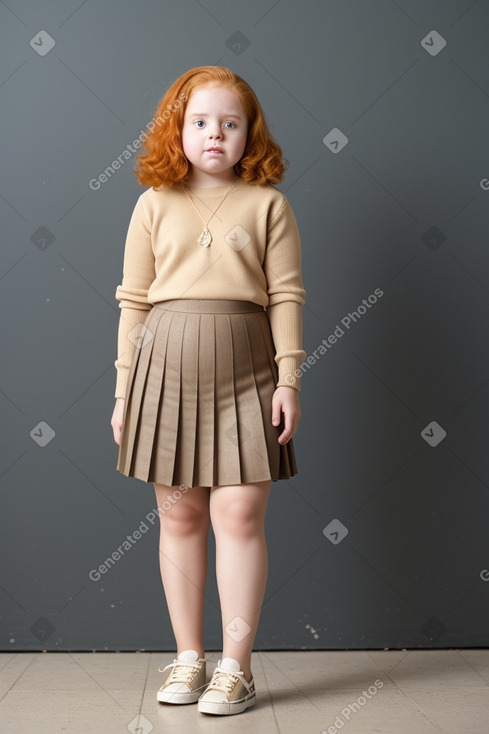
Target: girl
209,345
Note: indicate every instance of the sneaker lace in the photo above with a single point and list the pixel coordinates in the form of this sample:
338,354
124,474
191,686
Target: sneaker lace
181,671
224,680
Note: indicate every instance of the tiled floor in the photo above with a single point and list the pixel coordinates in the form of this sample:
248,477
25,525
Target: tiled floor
366,692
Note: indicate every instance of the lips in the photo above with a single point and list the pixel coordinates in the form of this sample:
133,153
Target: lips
214,150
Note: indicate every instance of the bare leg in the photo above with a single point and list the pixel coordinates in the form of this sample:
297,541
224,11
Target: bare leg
238,515
184,530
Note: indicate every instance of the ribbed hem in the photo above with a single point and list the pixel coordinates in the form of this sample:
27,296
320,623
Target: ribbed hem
287,374
121,383
126,346
286,324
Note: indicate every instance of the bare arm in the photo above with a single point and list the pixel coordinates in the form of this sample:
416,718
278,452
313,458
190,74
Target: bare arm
116,421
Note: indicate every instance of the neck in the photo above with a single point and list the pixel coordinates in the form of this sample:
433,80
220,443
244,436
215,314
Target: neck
201,180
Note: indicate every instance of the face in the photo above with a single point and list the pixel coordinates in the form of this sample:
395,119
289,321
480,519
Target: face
214,134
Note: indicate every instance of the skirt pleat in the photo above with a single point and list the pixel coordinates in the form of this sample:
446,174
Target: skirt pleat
198,407
131,420
204,444
189,386
226,451
166,437
146,401
254,400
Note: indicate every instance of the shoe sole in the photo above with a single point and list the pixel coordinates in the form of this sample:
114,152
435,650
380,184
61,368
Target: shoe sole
180,698
214,707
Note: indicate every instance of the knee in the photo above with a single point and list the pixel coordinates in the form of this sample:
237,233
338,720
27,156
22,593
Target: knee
238,518
183,519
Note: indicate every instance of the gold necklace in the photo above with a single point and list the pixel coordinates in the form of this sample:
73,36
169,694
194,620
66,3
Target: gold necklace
205,237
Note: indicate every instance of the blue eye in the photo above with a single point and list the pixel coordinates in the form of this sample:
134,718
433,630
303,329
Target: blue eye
197,123
230,123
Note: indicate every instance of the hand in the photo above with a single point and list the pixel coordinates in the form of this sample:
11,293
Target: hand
116,421
286,400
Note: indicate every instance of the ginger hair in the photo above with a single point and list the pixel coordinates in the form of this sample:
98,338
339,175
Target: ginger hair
163,162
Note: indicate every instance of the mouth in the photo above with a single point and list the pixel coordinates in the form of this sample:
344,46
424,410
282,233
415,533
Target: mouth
213,150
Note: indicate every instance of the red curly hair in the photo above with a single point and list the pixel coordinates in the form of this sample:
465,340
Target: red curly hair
163,163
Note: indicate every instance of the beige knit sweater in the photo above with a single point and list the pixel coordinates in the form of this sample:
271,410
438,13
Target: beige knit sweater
255,255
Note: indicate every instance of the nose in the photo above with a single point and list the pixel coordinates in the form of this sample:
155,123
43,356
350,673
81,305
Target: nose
215,132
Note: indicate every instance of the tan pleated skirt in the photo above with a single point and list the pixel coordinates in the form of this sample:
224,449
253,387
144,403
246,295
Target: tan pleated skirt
198,407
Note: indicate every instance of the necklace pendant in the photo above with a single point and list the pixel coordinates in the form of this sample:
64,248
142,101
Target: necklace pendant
205,237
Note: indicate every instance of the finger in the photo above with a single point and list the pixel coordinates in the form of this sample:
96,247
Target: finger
287,433
276,411
283,438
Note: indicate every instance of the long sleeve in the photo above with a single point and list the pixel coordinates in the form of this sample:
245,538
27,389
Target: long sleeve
286,324
286,293
138,275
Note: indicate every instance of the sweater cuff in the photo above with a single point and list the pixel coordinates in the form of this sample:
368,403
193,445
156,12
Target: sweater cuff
127,342
287,374
286,325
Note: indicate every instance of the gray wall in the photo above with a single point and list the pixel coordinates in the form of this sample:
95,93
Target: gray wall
402,207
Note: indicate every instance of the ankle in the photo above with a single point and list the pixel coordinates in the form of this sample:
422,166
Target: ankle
198,650
245,670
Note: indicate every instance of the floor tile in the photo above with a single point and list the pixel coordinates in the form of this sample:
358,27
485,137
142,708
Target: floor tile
321,670
434,668
305,692
455,710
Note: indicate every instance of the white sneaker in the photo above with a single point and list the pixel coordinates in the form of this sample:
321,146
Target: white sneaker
186,681
228,692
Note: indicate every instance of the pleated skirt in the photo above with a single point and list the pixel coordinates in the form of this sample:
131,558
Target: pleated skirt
198,407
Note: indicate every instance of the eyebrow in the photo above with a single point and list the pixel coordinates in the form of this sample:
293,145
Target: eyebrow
203,114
